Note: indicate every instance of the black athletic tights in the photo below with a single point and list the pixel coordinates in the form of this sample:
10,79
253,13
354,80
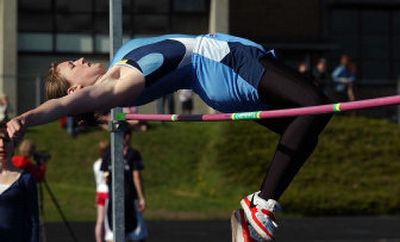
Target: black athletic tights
282,87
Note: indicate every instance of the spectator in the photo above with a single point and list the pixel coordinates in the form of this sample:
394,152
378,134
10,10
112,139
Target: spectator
19,212
63,122
70,125
135,202
101,193
186,99
351,89
25,160
3,109
321,75
168,99
344,76
304,69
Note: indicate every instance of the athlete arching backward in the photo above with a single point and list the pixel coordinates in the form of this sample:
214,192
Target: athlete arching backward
223,70
229,73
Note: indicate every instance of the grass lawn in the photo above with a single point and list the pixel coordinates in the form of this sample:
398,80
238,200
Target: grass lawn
201,170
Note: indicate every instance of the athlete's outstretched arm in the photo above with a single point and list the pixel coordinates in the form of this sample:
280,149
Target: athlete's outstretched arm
126,86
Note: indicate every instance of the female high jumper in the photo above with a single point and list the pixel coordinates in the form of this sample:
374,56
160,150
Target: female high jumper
229,73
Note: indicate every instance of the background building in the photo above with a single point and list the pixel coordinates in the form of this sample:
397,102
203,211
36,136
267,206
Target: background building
51,30
54,30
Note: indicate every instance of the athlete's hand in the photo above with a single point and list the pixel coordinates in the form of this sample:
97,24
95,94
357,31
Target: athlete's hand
16,129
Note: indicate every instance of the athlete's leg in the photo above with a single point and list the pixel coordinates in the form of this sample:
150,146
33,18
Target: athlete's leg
282,87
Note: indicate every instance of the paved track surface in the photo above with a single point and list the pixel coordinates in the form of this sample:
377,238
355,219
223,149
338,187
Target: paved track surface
324,229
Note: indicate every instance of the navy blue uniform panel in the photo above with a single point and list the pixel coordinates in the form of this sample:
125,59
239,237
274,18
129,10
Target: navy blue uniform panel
243,61
139,42
157,59
181,78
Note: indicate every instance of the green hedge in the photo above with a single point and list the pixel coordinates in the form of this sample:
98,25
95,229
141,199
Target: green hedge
354,170
202,170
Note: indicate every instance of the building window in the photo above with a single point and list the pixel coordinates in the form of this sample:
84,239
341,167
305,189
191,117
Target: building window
370,35
35,42
76,26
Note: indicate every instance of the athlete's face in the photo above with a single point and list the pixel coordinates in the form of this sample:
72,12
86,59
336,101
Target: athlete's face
80,72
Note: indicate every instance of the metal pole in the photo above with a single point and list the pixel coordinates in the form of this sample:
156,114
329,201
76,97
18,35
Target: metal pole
118,195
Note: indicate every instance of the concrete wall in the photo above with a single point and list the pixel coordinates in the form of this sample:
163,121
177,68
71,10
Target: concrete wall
276,20
8,51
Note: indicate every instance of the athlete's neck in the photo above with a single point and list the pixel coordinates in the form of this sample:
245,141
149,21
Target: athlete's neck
111,74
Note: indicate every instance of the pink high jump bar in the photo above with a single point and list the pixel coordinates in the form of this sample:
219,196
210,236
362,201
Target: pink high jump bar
312,110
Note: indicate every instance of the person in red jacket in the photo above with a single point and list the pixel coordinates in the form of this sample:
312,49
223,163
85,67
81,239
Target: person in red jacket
24,160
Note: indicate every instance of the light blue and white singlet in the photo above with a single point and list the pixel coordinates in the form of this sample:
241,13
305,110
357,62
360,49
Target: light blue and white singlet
223,70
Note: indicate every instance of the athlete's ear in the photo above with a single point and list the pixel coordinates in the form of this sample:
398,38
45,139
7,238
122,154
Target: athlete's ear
74,88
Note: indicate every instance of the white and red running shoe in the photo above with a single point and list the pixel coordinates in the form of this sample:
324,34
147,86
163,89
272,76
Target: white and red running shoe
242,231
261,215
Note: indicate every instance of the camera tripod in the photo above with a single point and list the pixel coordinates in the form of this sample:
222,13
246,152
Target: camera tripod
57,205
